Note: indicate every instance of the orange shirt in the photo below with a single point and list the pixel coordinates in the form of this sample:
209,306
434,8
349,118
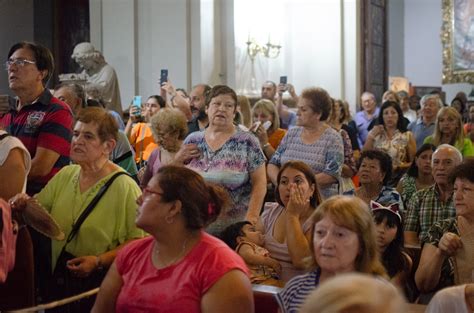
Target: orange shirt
275,138
142,141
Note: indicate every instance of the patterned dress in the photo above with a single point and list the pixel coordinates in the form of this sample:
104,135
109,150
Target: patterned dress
396,147
229,166
408,187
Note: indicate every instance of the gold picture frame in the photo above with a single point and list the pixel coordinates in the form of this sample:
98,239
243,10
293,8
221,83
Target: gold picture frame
457,38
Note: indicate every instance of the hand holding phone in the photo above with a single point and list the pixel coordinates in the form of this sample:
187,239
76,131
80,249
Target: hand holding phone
255,126
267,125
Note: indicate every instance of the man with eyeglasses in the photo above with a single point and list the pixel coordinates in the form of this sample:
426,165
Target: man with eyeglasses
43,123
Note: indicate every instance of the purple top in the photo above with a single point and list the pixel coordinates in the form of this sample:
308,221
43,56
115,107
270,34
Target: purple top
154,163
279,251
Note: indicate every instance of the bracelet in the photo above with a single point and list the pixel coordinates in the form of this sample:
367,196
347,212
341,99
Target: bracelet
266,145
98,263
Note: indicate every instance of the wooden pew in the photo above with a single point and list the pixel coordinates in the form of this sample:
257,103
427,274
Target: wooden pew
264,298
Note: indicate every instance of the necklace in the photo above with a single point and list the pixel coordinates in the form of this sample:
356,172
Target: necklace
363,193
156,253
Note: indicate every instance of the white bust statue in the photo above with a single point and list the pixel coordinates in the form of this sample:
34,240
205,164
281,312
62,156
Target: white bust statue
99,73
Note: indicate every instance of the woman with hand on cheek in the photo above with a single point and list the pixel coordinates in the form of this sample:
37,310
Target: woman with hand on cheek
286,224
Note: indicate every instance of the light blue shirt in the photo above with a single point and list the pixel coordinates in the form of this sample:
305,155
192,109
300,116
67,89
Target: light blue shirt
421,131
362,121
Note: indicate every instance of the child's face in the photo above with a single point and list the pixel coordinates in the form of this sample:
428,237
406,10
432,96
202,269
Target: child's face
252,235
385,234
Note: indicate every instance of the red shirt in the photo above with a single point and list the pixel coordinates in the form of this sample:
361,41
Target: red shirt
176,288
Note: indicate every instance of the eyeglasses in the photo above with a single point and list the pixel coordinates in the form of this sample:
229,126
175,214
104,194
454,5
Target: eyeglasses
18,62
148,191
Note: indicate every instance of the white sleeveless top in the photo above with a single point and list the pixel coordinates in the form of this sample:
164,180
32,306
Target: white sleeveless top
9,143
450,299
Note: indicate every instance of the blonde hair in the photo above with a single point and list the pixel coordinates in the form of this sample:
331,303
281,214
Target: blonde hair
244,105
459,135
269,108
353,214
389,93
345,116
344,293
170,120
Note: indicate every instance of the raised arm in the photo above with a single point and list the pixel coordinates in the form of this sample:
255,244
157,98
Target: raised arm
177,100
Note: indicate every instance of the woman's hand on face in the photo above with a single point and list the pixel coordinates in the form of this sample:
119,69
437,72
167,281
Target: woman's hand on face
186,153
261,134
19,201
82,266
449,244
297,202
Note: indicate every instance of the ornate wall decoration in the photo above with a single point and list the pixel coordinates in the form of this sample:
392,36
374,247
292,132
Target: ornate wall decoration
457,38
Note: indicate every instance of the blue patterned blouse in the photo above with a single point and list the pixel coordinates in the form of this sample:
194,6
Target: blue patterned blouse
325,155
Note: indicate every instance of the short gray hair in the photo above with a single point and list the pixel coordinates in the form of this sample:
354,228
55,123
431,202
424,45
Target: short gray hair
425,98
369,94
449,147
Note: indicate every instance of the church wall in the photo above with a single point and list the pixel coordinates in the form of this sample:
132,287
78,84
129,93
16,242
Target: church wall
16,24
422,46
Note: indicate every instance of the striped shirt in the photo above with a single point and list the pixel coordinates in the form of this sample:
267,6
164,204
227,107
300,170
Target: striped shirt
425,208
292,297
46,123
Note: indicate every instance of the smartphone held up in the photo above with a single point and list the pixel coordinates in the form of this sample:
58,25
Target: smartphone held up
137,104
163,76
284,81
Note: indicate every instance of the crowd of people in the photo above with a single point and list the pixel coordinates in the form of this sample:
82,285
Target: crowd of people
193,199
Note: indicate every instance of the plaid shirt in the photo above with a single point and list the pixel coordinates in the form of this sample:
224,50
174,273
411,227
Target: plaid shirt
425,208
434,235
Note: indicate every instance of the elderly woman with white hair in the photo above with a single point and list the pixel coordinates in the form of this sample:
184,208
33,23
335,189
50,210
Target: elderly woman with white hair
425,125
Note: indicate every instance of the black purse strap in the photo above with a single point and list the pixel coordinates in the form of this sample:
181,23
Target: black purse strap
90,207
